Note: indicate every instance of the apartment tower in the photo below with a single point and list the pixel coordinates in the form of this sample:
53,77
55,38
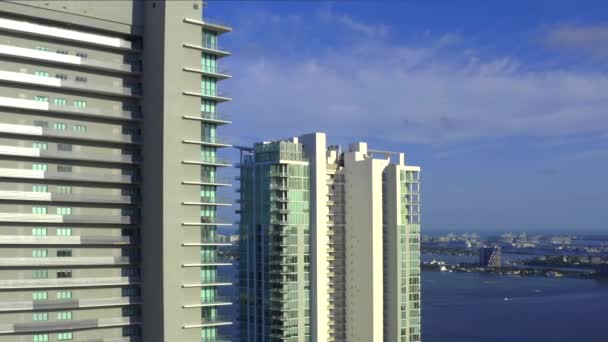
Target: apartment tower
109,138
329,243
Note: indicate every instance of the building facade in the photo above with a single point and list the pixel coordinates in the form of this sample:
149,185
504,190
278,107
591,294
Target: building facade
109,139
329,243
490,256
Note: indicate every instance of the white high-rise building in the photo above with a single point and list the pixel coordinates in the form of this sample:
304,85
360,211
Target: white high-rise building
330,243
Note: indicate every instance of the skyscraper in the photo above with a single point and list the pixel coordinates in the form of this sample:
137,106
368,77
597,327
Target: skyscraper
109,139
329,243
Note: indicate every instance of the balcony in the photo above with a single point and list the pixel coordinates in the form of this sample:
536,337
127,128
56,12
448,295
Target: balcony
207,282
219,201
63,304
66,176
216,96
29,196
15,151
215,141
50,326
208,49
210,72
209,161
52,133
216,301
217,118
218,28
210,322
90,112
54,83
54,218
23,284
211,261
38,30
61,59
281,187
27,240
64,261
216,181
210,221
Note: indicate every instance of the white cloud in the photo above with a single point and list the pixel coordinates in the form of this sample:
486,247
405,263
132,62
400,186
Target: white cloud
591,41
414,93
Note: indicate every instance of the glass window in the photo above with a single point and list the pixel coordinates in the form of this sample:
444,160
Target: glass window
64,315
40,274
39,231
42,48
41,316
79,128
64,211
40,145
40,253
64,294
60,102
60,126
40,295
64,189
40,167
41,73
64,231
80,104
39,210
41,98
65,336
39,188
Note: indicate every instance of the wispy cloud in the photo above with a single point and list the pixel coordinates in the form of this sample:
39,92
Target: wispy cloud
422,93
327,14
590,41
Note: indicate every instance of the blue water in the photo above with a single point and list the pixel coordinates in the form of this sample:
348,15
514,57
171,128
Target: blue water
466,307
470,307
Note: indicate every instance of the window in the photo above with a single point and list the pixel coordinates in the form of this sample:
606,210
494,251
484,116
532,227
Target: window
64,211
40,274
64,189
64,315
40,253
39,188
64,231
64,274
210,39
41,316
40,167
41,338
80,104
130,331
41,73
60,102
82,55
65,336
61,76
79,128
40,146
127,211
40,295
209,63
62,52
64,147
42,48
130,292
41,98
64,168
64,294
64,253
60,126
128,311
39,231
81,79
39,123
39,210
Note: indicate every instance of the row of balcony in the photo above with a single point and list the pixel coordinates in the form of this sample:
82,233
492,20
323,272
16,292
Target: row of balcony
64,261
73,219
35,131
53,283
91,112
16,151
9,50
57,83
49,326
67,176
209,322
65,304
26,240
28,196
70,35
211,282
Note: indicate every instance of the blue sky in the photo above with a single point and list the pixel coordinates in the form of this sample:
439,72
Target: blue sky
503,104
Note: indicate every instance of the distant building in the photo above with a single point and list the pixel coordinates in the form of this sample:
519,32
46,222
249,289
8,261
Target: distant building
489,257
234,238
